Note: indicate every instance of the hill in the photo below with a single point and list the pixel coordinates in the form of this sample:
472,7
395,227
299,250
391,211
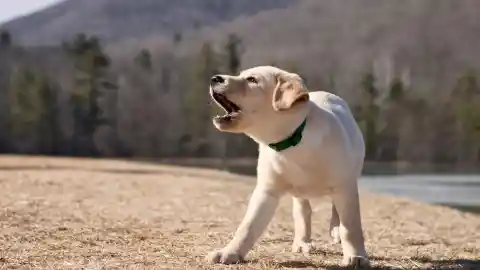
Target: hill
81,213
335,42
427,43
426,50
114,20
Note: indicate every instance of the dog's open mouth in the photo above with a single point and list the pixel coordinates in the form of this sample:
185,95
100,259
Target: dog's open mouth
232,110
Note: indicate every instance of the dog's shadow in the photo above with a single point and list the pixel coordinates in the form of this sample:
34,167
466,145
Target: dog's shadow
383,263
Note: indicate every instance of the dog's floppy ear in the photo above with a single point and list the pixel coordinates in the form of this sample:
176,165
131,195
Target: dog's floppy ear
290,90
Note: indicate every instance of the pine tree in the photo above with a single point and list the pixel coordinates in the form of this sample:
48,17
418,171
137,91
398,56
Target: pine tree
177,38
369,113
144,60
466,104
233,51
49,127
33,112
205,66
5,39
399,110
24,106
90,80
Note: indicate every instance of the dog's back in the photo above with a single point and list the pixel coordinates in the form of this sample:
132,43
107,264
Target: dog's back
350,129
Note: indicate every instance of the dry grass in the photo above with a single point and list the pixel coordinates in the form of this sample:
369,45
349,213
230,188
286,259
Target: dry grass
85,214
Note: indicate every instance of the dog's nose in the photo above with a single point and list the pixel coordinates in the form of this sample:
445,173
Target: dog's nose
217,79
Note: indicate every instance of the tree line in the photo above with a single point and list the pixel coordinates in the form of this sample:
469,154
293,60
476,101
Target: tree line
156,104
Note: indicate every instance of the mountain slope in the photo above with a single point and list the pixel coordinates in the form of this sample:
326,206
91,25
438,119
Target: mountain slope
115,20
427,42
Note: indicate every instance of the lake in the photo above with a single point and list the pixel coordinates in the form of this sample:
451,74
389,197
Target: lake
449,185
430,184
459,191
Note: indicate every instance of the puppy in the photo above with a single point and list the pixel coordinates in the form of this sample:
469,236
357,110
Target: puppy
309,146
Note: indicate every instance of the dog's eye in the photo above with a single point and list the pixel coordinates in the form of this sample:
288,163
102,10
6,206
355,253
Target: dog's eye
252,79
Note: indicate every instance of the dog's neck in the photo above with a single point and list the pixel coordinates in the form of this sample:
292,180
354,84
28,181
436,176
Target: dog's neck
280,126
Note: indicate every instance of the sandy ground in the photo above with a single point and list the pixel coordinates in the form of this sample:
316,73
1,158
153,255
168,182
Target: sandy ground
86,214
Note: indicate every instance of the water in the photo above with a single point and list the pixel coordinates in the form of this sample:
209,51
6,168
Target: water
433,184
459,191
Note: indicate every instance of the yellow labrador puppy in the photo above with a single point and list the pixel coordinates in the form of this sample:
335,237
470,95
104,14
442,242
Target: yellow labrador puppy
309,146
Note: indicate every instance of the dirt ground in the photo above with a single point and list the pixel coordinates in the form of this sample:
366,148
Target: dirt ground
86,214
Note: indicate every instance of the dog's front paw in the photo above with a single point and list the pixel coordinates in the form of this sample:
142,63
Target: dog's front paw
304,247
224,256
356,262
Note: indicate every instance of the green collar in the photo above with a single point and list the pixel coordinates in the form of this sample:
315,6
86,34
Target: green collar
291,140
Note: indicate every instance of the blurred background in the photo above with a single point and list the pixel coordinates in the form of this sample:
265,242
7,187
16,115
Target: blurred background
129,79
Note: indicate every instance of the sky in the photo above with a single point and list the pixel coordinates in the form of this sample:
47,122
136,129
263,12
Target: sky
10,9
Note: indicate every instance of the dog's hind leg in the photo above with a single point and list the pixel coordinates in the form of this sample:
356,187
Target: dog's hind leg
347,204
302,217
335,225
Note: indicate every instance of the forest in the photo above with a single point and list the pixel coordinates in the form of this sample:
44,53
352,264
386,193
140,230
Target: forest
410,74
